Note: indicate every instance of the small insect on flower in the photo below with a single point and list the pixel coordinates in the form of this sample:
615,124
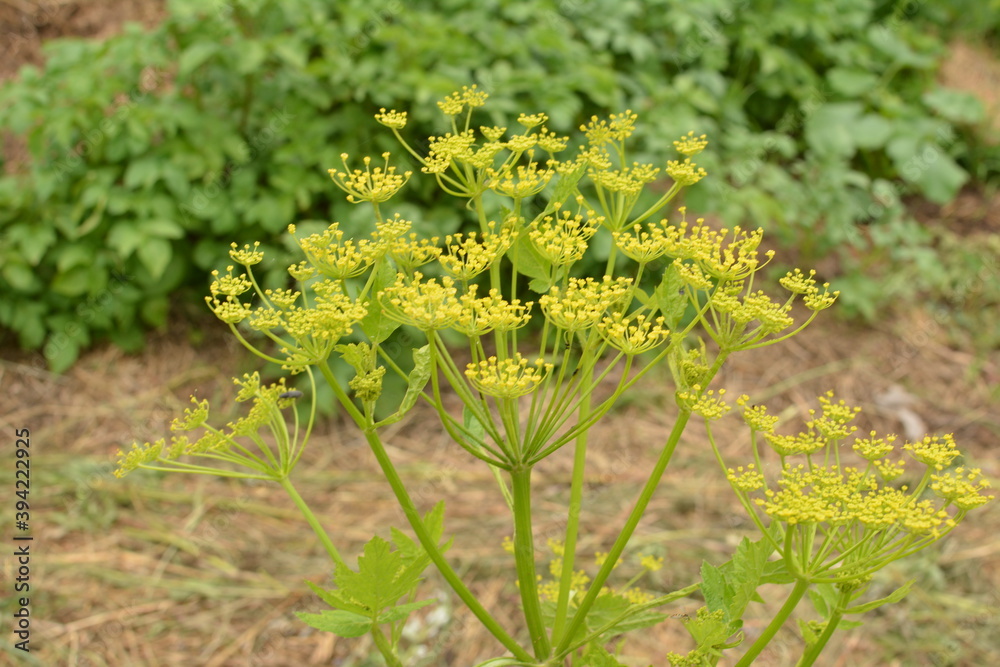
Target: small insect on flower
294,393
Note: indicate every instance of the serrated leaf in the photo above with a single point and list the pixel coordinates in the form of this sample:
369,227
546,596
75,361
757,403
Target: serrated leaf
598,656
892,598
713,587
339,622
400,612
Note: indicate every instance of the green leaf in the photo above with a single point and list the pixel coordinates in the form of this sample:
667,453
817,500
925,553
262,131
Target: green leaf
339,622
416,381
871,131
400,612
155,255
598,656
829,129
382,577
124,238
195,55
955,105
851,82
892,598
530,263
670,298
713,587
375,324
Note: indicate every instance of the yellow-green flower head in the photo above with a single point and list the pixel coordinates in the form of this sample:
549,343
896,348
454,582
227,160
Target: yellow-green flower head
368,385
873,447
425,305
833,423
934,451
880,509
391,228
617,128
733,261
518,143
706,404
230,311
689,144
246,255
773,317
890,470
282,298
249,386
465,257
137,456
391,119
508,378
745,480
520,182
925,518
789,445
564,239
814,300
470,97
595,157
483,157
685,173
335,257
652,563
265,318
193,417
492,312
302,271
756,416
584,301
372,185
532,120
492,134
656,240
550,143
230,285
693,276
443,150
962,487
628,181
632,335
798,501
411,253
798,283
331,316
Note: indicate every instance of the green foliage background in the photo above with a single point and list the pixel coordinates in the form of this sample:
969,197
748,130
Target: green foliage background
153,150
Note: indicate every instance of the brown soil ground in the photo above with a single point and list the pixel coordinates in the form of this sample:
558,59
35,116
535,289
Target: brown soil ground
177,570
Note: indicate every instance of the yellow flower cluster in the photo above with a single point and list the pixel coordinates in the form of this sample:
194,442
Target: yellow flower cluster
507,378
229,285
489,313
706,404
756,416
691,145
564,239
336,258
632,335
465,257
628,181
447,148
617,128
520,181
470,97
685,173
395,120
582,304
246,255
425,305
372,185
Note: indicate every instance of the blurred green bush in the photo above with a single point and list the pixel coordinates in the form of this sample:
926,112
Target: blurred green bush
153,150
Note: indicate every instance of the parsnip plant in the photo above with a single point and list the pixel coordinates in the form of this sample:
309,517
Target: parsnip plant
528,391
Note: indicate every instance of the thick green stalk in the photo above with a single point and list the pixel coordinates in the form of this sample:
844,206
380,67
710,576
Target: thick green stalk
385,648
626,533
801,586
416,522
572,524
312,520
812,652
524,557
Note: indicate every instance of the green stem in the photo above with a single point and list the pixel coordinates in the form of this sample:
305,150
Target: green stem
572,525
385,648
812,652
410,510
524,556
801,586
626,533
312,521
